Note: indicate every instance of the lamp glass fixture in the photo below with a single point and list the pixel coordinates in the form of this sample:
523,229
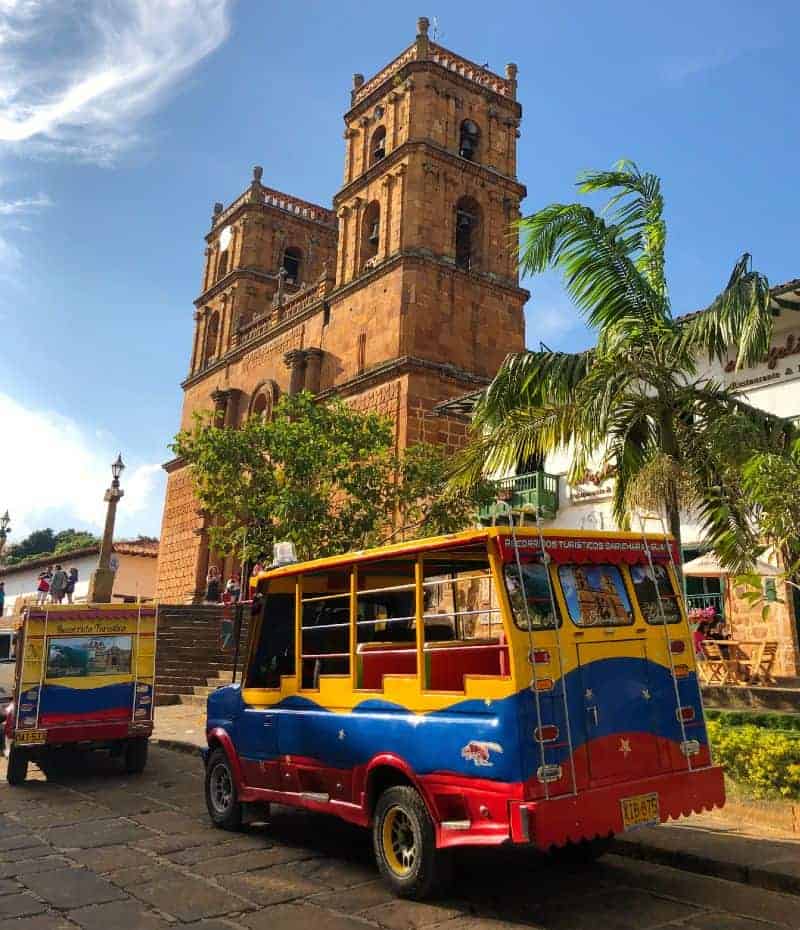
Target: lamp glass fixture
117,467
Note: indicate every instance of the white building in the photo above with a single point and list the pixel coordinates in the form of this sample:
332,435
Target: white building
135,573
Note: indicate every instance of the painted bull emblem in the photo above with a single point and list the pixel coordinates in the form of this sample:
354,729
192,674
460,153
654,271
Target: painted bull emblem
480,752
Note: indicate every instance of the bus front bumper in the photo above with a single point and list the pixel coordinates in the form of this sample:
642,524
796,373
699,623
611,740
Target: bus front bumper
598,812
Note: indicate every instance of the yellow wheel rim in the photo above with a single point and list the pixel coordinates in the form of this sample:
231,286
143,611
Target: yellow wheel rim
399,844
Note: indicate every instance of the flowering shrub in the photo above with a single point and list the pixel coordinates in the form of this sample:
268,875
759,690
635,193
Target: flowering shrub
766,761
697,614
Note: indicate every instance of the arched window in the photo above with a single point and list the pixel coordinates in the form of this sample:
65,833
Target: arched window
370,232
262,403
378,147
468,140
292,258
467,225
222,264
212,336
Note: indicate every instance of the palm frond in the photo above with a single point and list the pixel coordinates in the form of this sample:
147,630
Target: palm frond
739,316
599,272
638,214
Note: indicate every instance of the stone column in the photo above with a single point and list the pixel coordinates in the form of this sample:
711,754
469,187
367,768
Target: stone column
364,123
194,362
400,174
423,23
220,399
232,408
387,183
101,581
313,369
295,361
357,203
511,77
341,270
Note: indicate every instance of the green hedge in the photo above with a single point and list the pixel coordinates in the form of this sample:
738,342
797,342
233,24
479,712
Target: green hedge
766,761
768,720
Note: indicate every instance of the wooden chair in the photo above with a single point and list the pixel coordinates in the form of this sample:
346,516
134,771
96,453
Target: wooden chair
716,669
761,662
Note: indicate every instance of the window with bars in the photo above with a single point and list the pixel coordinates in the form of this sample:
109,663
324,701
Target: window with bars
324,626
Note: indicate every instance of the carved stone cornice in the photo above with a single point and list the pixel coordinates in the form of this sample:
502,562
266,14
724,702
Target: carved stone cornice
414,67
482,172
231,278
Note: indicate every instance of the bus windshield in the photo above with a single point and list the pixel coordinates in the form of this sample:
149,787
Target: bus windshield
537,595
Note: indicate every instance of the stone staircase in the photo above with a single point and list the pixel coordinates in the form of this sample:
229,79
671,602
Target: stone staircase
201,692
189,652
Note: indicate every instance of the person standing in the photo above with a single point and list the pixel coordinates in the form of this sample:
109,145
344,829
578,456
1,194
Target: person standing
72,580
233,588
2,597
58,585
42,588
213,584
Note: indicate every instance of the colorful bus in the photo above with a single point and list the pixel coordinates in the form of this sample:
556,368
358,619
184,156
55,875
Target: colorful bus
84,679
493,686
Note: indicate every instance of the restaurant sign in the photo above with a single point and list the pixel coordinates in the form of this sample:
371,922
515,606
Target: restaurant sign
772,367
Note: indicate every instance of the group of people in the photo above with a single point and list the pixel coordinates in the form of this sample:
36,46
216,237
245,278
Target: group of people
711,628
215,592
55,584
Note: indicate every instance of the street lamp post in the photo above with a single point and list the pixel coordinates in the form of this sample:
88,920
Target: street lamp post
101,581
5,529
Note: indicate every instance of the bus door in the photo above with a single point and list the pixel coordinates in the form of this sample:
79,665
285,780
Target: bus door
618,696
271,657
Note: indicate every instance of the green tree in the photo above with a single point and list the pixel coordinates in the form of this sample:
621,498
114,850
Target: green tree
321,475
36,543
636,399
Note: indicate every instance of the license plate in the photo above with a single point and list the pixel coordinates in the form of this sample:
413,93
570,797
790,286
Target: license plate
30,737
640,810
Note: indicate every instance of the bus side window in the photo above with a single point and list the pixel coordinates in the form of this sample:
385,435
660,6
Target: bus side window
273,654
531,600
325,626
386,638
644,584
463,627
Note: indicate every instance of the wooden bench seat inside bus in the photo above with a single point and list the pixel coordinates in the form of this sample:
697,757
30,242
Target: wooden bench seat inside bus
446,663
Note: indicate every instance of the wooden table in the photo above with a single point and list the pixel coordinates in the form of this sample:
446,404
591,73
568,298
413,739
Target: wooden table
737,659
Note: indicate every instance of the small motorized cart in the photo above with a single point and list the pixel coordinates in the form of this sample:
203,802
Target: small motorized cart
84,680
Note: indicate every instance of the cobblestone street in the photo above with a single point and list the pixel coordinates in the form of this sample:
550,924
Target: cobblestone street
103,851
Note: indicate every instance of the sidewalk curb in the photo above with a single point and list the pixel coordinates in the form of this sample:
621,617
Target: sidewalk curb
702,865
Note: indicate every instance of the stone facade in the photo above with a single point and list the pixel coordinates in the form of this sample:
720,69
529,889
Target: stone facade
405,295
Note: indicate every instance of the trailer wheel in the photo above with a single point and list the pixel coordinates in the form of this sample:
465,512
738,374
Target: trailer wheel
17,770
222,801
136,755
405,844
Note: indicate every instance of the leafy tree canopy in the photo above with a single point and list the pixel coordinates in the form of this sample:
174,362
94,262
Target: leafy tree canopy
46,542
322,475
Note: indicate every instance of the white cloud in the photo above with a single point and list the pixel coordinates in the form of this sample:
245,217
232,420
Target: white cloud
24,205
75,75
53,472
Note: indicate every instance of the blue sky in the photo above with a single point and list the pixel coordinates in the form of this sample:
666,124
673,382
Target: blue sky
122,122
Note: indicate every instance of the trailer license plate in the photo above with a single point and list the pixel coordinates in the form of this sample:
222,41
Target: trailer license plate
30,737
640,810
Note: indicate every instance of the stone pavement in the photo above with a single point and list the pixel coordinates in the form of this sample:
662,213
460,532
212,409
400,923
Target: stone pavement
103,851
711,844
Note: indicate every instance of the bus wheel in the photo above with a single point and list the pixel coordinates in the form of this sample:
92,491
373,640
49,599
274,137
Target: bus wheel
582,853
17,766
405,844
136,755
223,805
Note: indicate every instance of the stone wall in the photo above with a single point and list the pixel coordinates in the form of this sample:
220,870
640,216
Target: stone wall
748,623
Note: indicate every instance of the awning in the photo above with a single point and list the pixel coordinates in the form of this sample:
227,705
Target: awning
708,566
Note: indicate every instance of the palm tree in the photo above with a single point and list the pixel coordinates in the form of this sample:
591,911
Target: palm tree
635,399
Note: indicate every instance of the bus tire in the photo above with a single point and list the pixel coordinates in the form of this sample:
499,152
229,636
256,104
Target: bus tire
17,770
222,800
404,839
136,755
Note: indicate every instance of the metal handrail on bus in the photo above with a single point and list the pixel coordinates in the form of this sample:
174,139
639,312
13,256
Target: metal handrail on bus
531,658
675,686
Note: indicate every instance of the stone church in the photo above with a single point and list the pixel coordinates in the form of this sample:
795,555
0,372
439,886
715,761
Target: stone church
402,296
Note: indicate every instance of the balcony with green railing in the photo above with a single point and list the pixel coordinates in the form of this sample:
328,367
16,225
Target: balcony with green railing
530,494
